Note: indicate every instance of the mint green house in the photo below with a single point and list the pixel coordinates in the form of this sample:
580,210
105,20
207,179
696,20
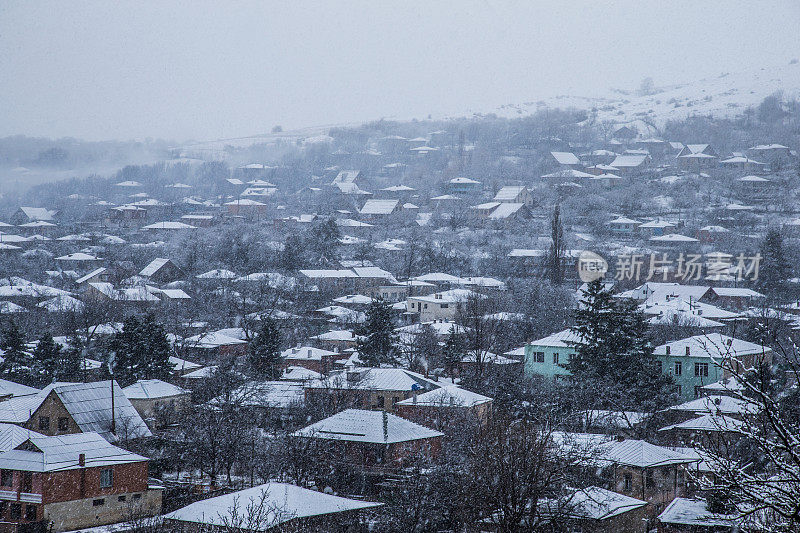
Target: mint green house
693,362
544,357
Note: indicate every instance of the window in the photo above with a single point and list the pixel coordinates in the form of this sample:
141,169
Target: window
650,480
687,350
445,306
668,350
381,401
16,511
628,482
7,478
395,399
27,482
121,498
63,423
98,502
678,368
555,358
137,496
698,391
3,508
30,513
538,357
680,390
106,478
426,306
660,366
701,370
44,422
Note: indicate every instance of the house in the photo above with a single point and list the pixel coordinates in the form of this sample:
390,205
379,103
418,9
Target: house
634,468
544,357
157,400
631,164
126,215
510,212
68,482
98,275
514,194
776,155
162,270
375,209
246,207
598,510
463,186
66,408
692,515
566,159
437,408
656,228
439,305
741,162
697,361
32,214
696,157
374,441
626,133
285,507
315,359
623,225
369,388
215,344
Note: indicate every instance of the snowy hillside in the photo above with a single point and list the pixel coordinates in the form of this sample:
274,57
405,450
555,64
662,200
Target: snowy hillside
728,94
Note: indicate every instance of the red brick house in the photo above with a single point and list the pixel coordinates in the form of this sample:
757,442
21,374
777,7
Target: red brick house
73,481
315,359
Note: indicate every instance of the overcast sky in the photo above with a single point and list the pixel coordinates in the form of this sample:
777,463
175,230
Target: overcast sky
208,70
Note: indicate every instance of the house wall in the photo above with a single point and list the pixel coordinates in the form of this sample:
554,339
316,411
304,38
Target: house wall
148,408
53,409
82,483
668,482
548,368
75,514
429,311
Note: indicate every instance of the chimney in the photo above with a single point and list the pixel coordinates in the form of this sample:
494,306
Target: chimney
81,459
385,426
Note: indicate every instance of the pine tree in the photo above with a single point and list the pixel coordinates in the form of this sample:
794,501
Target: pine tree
614,356
555,264
264,357
377,346
13,346
47,358
453,351
774,269
141,350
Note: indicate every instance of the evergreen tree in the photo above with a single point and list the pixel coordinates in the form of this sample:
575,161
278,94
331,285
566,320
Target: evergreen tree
72,357
324,241
141,350
774,269
377,346
264,357
47,358
453,351
555,264
614,356
13,346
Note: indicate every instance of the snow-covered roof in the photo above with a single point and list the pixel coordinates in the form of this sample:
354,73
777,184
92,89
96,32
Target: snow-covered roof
282,503
148,389
694,512
712,345
565,158
154,266
218,273
77,256
708,423
62,452
274,394
308,353
629,161
568,173
168,225
448,396
211,340
393,379
376,427
38,213
673,237
596,503
717,404
505,210
561,339
462,180
379,207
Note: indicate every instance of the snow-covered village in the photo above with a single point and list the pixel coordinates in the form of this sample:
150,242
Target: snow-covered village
577,311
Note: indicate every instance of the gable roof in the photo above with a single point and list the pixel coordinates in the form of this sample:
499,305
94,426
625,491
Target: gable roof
40,453
283,502
146,389
154,266
379,207
376,427
712,345
565,158
89,405
38,213
448,396
509,193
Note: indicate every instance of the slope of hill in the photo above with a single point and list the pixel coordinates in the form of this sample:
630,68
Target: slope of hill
726,95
